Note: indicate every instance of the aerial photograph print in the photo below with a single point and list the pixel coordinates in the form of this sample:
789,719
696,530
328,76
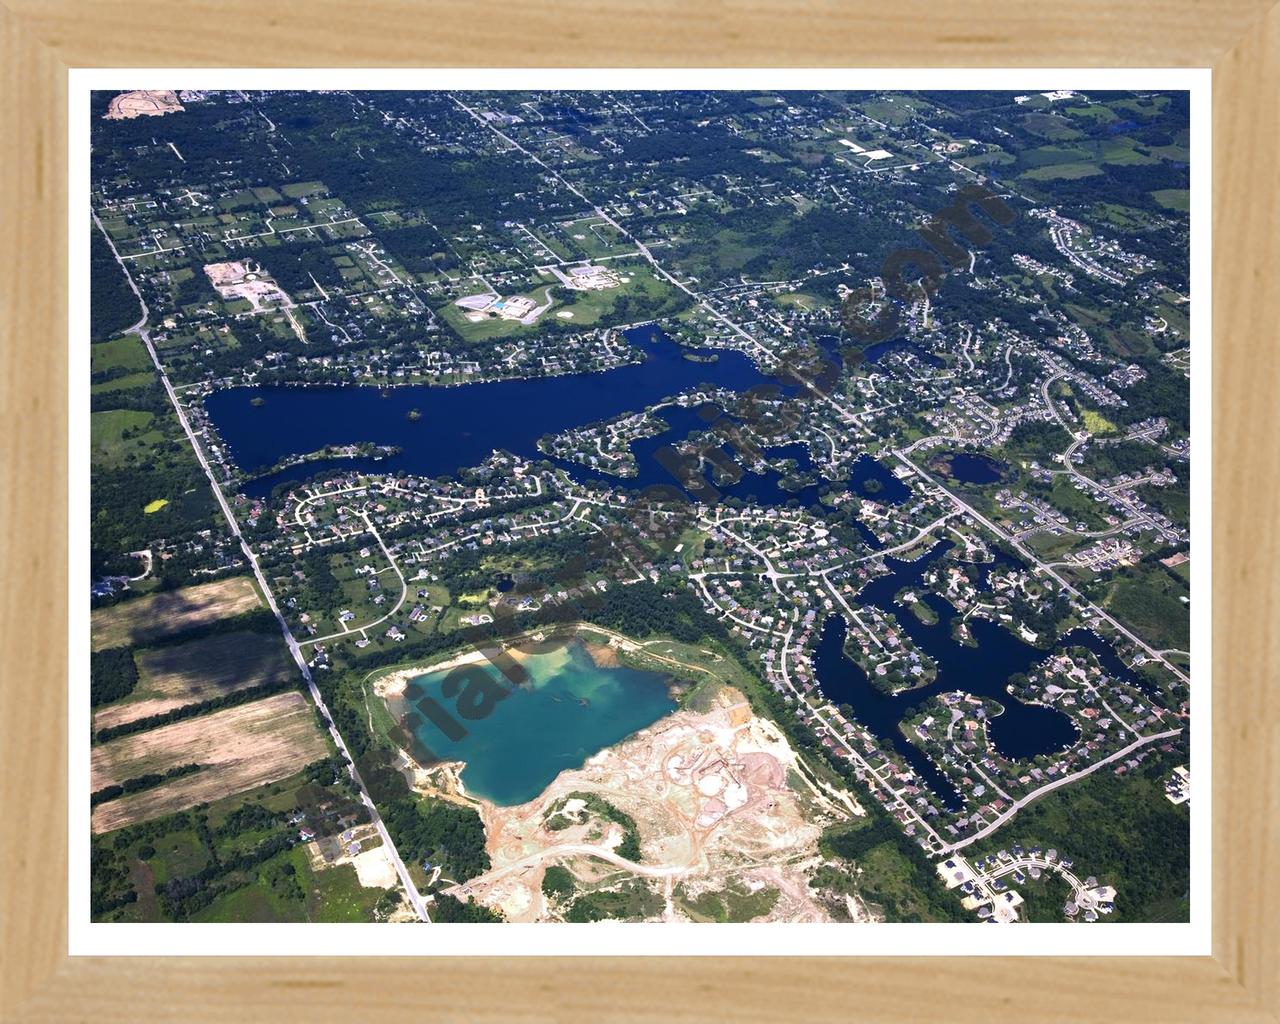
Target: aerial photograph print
709,506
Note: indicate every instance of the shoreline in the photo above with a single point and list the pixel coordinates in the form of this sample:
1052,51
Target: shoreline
443,778
603,653
394,683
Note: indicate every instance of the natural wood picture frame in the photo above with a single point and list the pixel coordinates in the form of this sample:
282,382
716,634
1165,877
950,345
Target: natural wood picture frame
1239,39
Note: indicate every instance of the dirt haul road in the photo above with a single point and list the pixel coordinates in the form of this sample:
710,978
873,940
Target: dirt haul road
716,796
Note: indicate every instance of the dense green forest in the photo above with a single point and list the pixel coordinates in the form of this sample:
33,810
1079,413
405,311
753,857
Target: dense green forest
454,189
424,831
448,910
1104,461
1036,437
420,249
112,675
294,264
112,305
893,872
1166,392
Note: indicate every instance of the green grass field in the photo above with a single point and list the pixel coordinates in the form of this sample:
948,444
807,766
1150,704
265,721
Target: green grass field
126,353
1093,112
178,854
129,382
1050,126
1145,107
1175,501
1096,423
1149,602
895,110
598,238
1126,218
801,300
118,433
332,895
1050,547
994,158
1069,171
1076,504
1124,152
1173,198
1049,156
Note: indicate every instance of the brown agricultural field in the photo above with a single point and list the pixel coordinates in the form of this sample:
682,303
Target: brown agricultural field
241,747
157,615
172,677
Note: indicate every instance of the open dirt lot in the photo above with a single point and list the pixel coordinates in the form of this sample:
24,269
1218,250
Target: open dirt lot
373,864
172,677
157,615
152,102
241,747
236,280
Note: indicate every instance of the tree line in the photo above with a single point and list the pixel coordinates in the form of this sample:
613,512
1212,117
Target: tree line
112,675
140,783
192,710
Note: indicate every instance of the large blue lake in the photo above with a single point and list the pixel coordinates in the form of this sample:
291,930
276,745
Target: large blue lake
461,426
972,468
568,709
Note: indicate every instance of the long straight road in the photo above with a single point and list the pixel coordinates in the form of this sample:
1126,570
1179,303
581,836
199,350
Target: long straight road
140,329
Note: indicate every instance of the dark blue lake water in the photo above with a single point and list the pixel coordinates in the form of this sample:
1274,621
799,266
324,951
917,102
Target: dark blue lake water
973,468
874,353
831,345
1021,732
461,426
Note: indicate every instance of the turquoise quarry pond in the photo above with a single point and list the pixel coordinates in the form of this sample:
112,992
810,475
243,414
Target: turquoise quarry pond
569,709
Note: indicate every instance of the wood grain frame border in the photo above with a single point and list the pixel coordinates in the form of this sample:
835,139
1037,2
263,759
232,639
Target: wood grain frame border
41,39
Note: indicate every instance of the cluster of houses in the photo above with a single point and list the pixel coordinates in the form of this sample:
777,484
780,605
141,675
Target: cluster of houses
1100,258
1177,788
984,884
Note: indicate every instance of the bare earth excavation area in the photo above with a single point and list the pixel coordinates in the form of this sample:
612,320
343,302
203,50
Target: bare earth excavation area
718,801
144,102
